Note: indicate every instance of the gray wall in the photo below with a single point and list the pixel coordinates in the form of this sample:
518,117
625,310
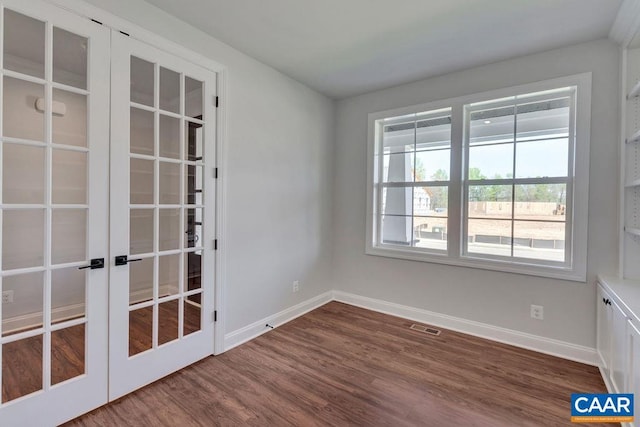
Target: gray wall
494,298
280,152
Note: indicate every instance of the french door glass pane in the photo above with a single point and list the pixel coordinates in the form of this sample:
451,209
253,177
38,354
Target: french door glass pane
68,294
168,321
26,311
141,231
170,230
142,81
22,238
70,127
68,235
67,353
169,90
22,174
142,173
169,137
69,58
193,98
141,281
168,275
69,177
21,367
140,330
141,132
169,183
193,142
192,314
21,118
24,44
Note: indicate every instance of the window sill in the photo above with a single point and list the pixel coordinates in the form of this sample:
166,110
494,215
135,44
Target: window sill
560,273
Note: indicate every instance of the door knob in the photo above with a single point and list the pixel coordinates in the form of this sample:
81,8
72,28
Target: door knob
124,260
95,263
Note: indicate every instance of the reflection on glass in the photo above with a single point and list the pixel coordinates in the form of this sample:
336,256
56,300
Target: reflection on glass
193,263
396,201
170,229
541,202
398,167
68,235
167,321
168,275
169,137
142,81
22,238
491,161
430,232
141,191
68,289
397,230
69,58
192,314
169,90
70,128
28,291
169,183
548,119
141,132
140,330
539,240
67,353
69,184
21,368
492,126
21,119
490,201
193,142
141,231
489,237
193,228
140,281
193,98
24,42
22,174
193,183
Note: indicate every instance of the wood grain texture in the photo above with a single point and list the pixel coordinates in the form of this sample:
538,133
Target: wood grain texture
341,365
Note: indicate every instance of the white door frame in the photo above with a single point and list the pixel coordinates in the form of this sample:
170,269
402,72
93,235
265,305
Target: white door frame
134,31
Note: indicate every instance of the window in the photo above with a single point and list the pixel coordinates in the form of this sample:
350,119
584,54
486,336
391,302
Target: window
496,180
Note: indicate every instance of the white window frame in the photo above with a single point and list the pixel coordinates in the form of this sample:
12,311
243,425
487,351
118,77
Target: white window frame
575,268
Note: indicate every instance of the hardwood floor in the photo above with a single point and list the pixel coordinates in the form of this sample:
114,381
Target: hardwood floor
341,365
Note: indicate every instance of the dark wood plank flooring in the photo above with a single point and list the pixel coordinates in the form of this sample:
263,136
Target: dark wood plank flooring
341,365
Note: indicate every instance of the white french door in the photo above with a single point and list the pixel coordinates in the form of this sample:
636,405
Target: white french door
162,214
54,145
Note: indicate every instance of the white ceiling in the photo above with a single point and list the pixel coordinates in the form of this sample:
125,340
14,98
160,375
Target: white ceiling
347,47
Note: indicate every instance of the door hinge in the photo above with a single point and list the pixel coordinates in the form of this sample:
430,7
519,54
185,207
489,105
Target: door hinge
215,245
215,316
96,21
216,101
215,173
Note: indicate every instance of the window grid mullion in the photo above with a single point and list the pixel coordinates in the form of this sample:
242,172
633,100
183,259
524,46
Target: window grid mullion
513,176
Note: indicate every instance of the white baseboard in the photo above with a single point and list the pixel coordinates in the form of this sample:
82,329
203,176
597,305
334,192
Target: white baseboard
249,332
507,336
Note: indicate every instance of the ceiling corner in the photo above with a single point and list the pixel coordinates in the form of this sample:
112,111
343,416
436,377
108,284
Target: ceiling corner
627,22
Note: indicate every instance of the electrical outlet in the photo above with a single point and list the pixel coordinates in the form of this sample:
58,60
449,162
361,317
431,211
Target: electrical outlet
537,312
296,286
7,297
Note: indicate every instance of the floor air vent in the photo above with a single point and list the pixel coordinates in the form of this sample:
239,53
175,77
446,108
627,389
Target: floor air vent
425,329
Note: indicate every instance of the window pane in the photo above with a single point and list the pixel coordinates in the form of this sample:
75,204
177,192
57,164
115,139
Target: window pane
491,126
193,98
432,165
430,232
69,177
22,174
26,311
543,120
142,81
22,238
21,118
398,167
169,90
431,201
169,137
24,41
541,202
539,240
491,161
537,159
433,133
69,58
489,237
396,230
396,201
490,201
141,133
70,128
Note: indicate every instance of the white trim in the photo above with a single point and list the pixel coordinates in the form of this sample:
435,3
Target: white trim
627,22
576,272
532,342
254,330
